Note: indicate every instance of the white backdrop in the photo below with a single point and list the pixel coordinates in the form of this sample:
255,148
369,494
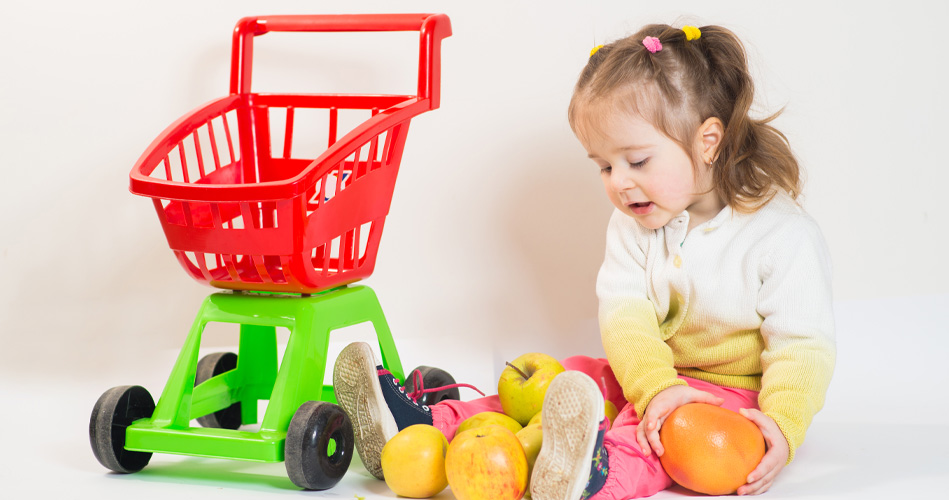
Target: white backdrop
496,228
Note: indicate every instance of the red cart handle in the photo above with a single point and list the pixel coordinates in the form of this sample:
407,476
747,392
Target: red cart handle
432,29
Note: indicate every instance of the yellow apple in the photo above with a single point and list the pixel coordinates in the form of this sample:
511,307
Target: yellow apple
489,418
523,384
535,420
611,411
413,462
531,438
486,463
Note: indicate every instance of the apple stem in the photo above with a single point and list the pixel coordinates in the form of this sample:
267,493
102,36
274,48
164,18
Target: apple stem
518,370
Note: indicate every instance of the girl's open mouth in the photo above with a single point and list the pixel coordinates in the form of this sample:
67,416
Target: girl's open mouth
642,208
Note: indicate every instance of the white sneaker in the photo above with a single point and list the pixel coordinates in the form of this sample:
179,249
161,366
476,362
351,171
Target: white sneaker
358,391
573,410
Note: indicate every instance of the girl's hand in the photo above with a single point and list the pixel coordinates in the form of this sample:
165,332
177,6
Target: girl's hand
662,404
774,459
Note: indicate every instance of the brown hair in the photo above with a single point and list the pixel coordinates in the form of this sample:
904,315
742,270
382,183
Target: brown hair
679,87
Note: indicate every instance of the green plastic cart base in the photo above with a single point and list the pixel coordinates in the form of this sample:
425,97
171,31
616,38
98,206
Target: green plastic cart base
310,320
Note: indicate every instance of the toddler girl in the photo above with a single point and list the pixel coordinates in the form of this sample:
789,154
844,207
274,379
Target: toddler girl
715,287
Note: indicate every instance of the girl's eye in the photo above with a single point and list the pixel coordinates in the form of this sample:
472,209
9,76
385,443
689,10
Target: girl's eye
639,164
605,169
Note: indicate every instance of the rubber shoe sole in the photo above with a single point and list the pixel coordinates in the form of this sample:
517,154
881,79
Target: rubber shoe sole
357,389
573,410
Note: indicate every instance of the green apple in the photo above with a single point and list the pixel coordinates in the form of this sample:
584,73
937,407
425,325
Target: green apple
531,438
523,384
535,420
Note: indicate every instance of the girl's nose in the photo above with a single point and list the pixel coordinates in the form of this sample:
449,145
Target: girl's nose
621,179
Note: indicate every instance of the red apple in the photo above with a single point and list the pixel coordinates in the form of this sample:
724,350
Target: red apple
486,463
489,418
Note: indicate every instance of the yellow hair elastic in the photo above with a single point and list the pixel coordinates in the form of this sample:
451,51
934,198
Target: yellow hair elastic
598,47
691,33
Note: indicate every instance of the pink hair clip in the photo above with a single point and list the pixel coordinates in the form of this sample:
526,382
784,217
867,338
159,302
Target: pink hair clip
652,44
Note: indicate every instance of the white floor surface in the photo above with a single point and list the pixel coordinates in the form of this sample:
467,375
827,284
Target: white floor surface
884,433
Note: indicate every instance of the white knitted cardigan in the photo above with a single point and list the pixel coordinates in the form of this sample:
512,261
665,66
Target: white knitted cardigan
742,300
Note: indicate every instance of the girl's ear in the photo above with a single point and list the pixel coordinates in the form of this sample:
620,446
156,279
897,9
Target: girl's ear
709,137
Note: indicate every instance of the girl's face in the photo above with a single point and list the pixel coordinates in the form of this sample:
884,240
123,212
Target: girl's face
650,177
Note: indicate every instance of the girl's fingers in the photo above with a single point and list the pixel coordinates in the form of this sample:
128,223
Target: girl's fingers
760,419
648,431
656,443
771,475
707,397
653,423
769,466
641,439
767,426
755,488
751,414
647,434
761,479
760,485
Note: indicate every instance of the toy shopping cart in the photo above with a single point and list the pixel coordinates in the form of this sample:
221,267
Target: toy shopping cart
286,234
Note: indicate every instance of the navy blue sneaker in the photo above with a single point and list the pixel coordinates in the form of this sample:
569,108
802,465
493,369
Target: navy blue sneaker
376,402
572,462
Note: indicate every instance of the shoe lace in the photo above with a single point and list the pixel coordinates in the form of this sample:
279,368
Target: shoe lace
419,382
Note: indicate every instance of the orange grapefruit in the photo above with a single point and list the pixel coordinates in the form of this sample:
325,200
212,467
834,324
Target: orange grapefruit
709,449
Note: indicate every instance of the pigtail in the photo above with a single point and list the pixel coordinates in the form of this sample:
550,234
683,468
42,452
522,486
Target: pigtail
754,159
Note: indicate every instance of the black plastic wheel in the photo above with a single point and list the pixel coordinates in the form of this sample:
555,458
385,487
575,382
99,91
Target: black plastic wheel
319,445
432,377
115,410
209,366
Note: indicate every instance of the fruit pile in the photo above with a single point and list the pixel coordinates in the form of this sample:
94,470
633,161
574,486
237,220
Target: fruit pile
491,455
708,449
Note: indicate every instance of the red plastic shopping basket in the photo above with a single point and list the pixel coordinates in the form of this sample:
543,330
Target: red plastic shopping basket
241,211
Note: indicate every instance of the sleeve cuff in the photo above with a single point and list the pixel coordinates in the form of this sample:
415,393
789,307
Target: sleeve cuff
786,425
643,401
